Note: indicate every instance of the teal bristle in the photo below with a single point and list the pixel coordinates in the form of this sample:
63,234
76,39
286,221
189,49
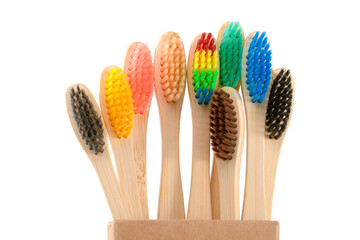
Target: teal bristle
258,67
230,52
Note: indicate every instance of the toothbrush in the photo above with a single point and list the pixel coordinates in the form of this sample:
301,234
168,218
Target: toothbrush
256,78
139,69
88,127
230,40
202,77
170,70
278,115
118,112
227,131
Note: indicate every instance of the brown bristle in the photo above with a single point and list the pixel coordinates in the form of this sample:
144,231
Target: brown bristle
88,121
279,105
223,124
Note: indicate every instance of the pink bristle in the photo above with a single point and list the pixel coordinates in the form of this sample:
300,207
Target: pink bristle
141,78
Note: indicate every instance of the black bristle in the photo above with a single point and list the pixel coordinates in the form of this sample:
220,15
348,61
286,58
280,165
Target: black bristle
279,105
87,120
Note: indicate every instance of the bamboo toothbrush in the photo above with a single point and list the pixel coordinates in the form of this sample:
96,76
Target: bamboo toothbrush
230,40
170,74
278,116
118,112
256,78
227,130
87,124
202,77
139,69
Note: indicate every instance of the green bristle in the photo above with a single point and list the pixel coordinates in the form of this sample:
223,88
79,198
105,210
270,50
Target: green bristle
231,48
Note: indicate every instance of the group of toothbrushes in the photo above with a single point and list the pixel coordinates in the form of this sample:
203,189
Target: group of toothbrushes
216,70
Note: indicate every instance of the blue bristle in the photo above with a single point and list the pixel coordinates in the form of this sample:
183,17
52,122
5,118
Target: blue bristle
208,97
203,95
197,95
258,67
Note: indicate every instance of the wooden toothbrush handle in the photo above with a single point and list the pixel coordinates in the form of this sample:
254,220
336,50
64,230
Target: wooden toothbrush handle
254,197
139,155
200,198
171,200
228,189
110,185
215,194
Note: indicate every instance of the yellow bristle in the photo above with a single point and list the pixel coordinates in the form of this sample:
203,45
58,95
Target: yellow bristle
119,103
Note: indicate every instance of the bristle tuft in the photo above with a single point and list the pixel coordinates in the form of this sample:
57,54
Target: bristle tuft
119,102
258,67
173,68
141,78
279,105
230,55
88,121
205,69
223,124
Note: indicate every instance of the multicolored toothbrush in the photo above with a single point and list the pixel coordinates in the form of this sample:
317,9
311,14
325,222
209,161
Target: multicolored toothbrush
278,115
170,74
202,77
227,130
138,67
231,41
88,126
118,112
256,78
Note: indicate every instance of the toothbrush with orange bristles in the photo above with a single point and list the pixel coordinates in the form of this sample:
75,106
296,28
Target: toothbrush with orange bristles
170,81
118,112
139,70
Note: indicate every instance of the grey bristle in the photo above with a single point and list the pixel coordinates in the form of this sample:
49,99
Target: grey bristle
87,120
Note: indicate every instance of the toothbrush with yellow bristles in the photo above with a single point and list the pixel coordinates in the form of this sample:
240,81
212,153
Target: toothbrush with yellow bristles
118,112
88,126
170,81
139,70
202,77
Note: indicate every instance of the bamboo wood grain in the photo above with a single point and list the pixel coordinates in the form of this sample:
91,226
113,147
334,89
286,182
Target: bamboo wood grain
200,198
171,200
229,170
123,157
272,153
139,145
254,197
101,162
214,183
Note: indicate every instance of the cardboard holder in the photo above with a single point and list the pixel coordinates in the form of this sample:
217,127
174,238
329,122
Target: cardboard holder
193,230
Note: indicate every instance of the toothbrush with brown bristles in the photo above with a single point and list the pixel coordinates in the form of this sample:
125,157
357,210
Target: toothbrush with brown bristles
202,77
170,80
227,130
88,126
139,70
118,112
278,115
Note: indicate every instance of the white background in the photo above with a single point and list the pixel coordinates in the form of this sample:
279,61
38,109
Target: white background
48,188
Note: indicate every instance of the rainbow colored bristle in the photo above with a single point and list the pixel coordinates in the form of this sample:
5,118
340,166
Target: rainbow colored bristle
230,55
141,78
119,102
258,67
205,68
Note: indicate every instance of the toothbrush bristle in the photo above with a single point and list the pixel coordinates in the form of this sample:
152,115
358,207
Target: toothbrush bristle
141,78
205,68
173,67
230,54
279,104
119,102
223,125
88,120
258,67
